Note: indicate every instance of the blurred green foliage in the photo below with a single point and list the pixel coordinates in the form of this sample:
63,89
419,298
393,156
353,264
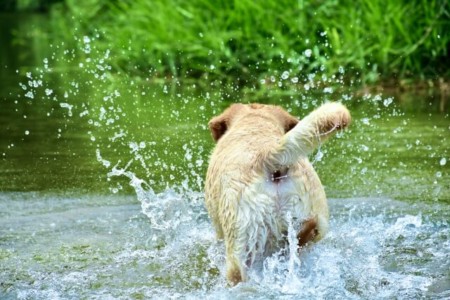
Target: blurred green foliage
249,41
26,5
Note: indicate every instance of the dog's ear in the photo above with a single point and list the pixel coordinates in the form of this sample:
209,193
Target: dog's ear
288,122
219,125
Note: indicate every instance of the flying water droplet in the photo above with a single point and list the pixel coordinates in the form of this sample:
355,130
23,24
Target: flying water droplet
387,101
104,162
68,106
29,95
308,52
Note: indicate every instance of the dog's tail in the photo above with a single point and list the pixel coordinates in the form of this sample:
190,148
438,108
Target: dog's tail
310,132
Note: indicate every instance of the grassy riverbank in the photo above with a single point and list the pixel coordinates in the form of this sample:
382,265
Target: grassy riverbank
253,41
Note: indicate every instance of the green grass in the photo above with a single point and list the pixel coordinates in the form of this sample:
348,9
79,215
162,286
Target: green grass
248,41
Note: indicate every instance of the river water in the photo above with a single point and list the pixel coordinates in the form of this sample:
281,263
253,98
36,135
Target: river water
101,179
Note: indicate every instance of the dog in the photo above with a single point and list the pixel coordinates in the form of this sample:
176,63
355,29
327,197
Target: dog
259,173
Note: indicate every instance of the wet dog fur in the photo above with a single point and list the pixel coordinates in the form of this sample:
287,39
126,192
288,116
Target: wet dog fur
259,174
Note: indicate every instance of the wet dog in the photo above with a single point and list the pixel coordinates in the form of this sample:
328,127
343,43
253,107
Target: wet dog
259,174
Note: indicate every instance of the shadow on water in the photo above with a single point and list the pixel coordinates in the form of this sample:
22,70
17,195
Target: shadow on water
70,227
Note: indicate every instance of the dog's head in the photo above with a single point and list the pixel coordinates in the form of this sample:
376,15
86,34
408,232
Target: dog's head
220,124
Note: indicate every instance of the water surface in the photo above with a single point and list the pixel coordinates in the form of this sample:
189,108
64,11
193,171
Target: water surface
101,178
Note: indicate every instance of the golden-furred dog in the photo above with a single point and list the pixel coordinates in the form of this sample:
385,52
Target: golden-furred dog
259,174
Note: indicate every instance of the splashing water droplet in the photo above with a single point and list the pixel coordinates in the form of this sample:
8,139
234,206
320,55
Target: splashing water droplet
319,155
308,52
68,106
328,90
443,161
387,102
29,95
104,162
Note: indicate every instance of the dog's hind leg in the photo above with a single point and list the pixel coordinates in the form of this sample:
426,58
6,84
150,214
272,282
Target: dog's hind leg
235,269
307,232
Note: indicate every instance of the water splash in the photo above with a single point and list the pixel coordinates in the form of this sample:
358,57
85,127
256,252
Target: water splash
376,248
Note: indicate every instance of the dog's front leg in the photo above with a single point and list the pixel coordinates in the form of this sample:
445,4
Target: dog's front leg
310,132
